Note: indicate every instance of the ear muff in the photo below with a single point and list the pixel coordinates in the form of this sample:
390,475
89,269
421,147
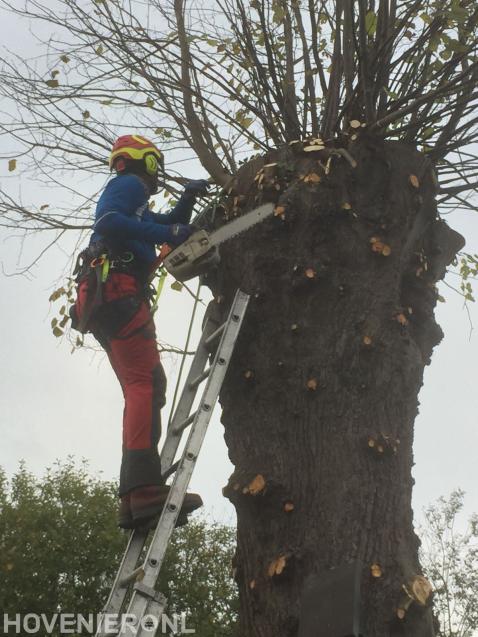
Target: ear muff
151,164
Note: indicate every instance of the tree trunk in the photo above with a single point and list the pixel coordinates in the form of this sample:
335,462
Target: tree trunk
320,399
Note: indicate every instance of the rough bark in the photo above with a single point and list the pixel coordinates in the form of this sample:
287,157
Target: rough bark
321,397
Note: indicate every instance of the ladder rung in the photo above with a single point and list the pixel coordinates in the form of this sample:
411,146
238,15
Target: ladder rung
215,334
185,424
170,471
137,574
194,383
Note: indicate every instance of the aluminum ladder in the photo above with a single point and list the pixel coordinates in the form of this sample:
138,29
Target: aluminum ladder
139,581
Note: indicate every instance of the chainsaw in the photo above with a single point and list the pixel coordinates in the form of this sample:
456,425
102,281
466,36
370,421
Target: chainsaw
201,251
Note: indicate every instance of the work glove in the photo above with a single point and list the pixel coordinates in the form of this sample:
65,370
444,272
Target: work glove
179,232
197,187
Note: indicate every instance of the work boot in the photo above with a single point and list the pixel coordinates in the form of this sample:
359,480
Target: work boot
147,503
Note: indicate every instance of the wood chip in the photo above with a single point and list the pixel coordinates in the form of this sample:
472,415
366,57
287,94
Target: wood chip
376,570
312,384
414,181
277,566
279,211
256,486
312,178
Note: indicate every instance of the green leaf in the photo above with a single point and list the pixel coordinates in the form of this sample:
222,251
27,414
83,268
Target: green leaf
150,102
371,22
99,50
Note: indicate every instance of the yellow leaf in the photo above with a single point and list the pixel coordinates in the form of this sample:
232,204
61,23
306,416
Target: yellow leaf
367,340
249,374
355,123
313,149
12,164
177,286
310,273
402,319
346,206
252,584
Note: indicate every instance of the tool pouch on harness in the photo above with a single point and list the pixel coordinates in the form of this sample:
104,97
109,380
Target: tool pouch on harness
109,293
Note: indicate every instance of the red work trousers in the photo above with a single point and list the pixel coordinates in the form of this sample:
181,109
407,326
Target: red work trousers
124,327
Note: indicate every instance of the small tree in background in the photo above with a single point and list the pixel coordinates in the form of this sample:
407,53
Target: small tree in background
450,559
60,549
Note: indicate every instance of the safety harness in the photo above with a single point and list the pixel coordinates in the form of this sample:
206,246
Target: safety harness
96,263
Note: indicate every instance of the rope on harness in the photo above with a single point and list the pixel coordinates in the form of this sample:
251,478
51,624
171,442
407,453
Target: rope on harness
159,288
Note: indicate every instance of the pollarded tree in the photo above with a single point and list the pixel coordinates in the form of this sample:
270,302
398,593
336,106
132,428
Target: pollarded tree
361,115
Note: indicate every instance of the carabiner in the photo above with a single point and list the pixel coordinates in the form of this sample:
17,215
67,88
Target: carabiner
98,261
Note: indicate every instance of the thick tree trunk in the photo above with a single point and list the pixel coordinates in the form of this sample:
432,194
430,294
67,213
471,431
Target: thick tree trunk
320,399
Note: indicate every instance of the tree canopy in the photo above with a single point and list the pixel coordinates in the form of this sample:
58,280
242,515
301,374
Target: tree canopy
228,79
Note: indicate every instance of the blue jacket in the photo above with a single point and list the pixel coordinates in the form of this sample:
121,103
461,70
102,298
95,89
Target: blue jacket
124,221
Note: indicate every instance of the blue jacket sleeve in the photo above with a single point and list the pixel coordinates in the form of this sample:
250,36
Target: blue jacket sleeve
117,226
181,213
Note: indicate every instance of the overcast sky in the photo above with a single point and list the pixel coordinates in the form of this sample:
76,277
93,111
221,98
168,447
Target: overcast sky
53,403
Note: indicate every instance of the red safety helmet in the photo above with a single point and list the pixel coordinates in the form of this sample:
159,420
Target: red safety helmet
136,148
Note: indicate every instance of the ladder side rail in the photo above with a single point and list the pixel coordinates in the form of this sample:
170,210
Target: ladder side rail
138,538
118,593
144,593
186,400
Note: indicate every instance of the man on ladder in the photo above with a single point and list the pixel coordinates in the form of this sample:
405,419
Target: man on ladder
114,304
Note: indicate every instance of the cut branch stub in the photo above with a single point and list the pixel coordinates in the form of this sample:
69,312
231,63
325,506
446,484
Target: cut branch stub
417,590
376,570
277,566
256,486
